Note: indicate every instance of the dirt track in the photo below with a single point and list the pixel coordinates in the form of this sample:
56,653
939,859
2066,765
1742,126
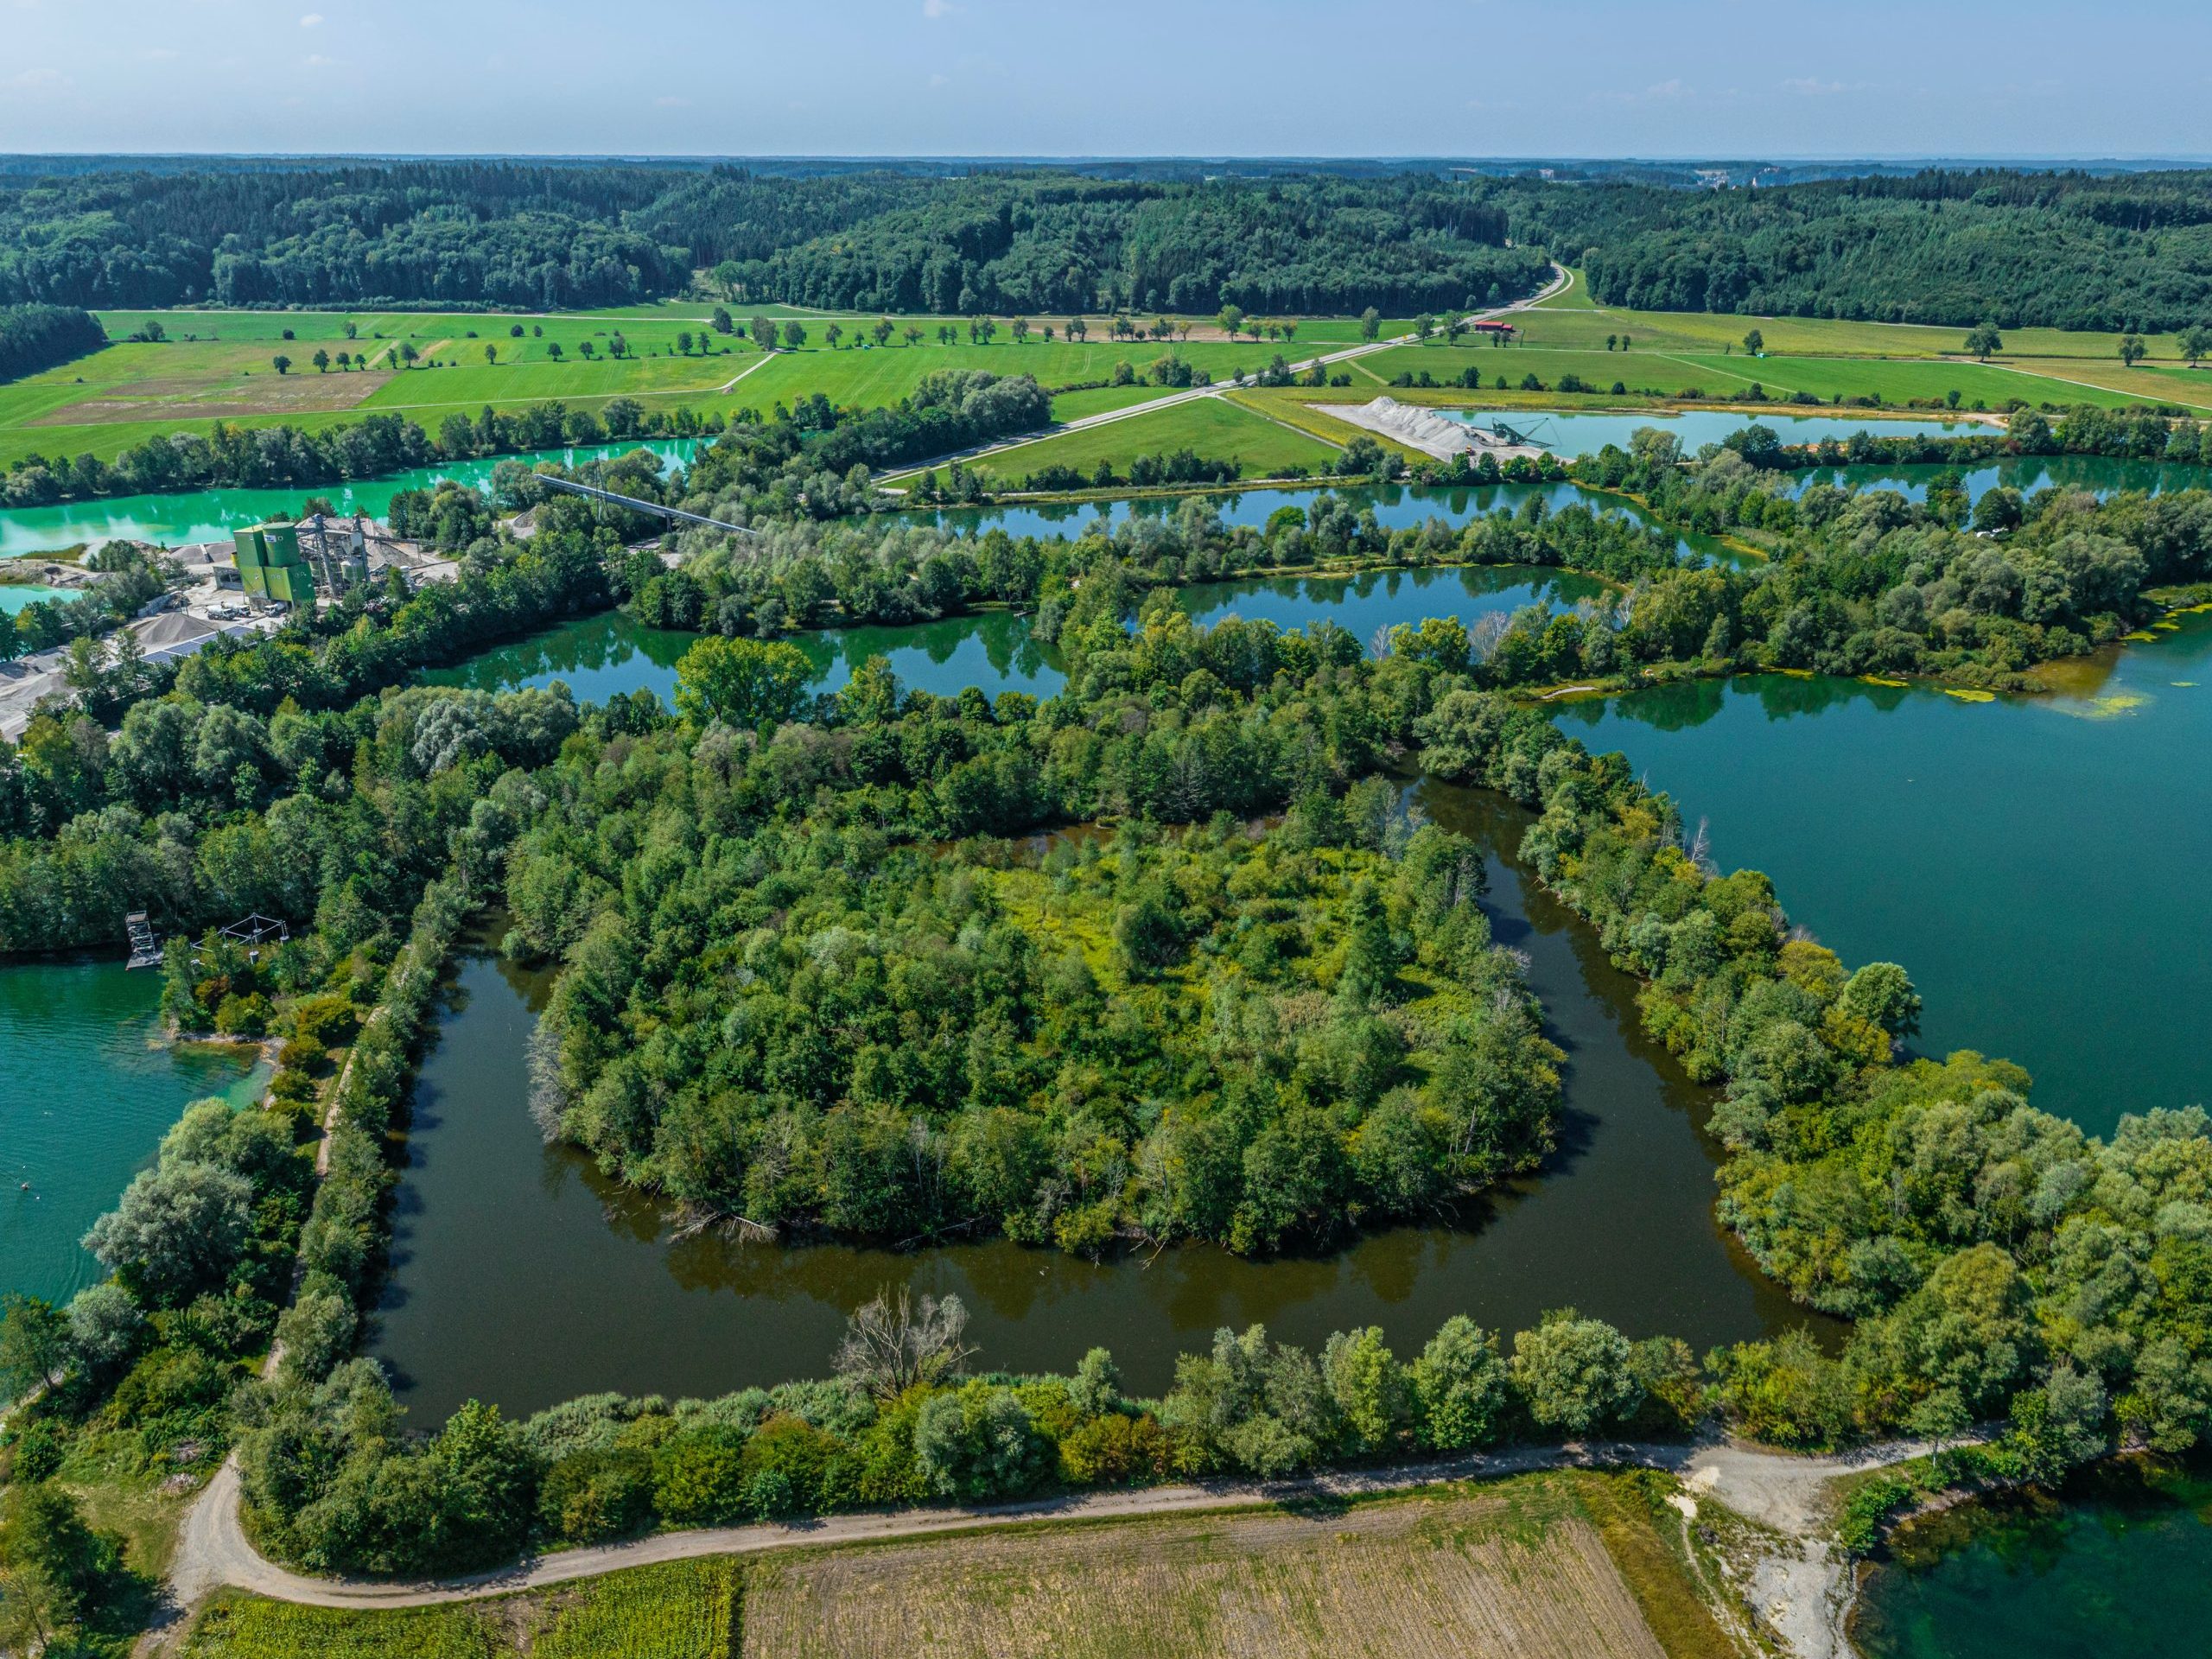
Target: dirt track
1803,1589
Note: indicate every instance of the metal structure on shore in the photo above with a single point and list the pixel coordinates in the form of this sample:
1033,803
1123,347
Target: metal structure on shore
636,505
252,931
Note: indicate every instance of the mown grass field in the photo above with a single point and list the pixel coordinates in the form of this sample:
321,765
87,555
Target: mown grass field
217,366
1213,427
1074,405
1649,370
1574,319
861,378
1533,1568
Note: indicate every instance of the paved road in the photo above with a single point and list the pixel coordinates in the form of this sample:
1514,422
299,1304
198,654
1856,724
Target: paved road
1562,279
1805,1585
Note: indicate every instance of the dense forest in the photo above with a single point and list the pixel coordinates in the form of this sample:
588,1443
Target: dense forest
993,244
35,337
2069,250
1256,1042
2061,249
455,234
546,237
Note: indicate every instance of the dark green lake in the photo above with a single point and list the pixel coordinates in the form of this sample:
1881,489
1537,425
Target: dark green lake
2039,864
2122,1568
86,1090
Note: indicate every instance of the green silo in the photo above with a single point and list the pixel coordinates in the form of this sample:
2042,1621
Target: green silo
253,561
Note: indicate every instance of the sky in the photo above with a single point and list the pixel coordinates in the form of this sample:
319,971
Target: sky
1683,78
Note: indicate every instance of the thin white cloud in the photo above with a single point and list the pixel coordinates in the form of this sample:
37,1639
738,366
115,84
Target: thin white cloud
940,80
936,10
671,103
159,54
316,60
1813,87
1658,91
312,19
41,80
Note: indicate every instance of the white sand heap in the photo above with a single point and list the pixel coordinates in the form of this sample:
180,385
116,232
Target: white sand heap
1424,429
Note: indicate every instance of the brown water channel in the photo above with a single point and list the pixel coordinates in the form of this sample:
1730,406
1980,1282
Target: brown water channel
523,1276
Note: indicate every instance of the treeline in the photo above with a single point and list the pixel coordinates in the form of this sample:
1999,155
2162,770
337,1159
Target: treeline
1864,583
2056,250
333,1484
2138,434
152,1373
802,575
35,337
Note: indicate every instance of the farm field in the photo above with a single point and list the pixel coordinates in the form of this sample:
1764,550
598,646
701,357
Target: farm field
1214,426
216,365
1586,1564
1574,319
1096,400
865,377
1896,381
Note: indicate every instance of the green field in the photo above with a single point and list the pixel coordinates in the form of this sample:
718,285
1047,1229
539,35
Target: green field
1214,426
864,378
216,364
685,1610
1715,375
1574,319
1096,400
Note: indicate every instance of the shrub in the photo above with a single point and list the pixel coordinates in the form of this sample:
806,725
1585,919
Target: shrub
783,1465
1115,1451
589,1498
977,1442
699,1479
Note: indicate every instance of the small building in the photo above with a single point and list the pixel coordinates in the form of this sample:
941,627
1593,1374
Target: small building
1492,327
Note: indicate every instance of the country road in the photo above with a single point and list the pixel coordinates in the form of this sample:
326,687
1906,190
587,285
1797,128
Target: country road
1562,279
1803,1587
